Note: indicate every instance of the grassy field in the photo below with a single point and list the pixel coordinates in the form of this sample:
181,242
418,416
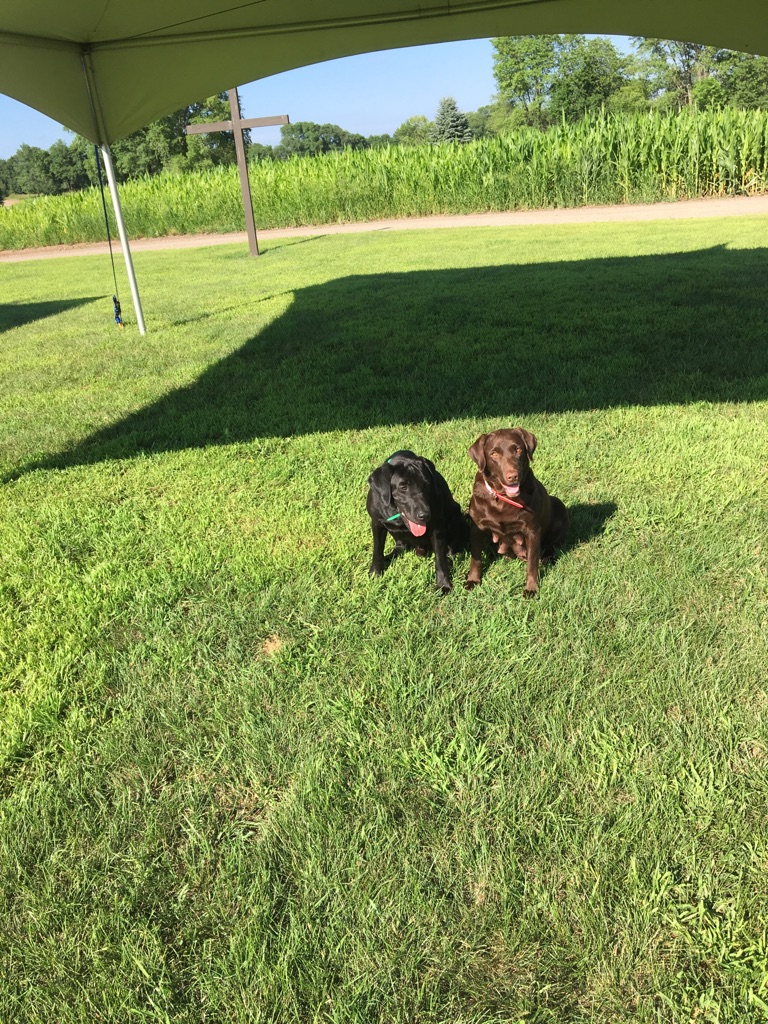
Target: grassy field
629,158
244,782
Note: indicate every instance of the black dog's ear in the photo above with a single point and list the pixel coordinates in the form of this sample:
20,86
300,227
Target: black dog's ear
477,452
529,440
380,482
430,466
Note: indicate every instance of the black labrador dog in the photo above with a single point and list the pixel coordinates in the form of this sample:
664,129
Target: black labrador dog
410,499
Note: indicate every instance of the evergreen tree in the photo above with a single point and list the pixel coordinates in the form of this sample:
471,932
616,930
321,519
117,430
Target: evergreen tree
450,125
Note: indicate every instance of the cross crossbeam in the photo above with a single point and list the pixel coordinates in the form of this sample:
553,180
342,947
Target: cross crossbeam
228,126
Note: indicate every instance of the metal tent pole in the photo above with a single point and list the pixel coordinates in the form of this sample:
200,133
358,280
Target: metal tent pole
106,154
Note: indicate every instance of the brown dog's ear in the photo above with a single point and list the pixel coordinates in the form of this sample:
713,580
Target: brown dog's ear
477,452
529,440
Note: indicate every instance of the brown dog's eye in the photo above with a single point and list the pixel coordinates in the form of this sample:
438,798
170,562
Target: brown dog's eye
494,454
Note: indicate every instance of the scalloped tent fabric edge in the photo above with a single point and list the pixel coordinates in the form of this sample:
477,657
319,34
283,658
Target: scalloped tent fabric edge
107,67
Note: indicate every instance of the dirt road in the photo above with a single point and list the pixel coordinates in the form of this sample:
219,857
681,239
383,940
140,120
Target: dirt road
727,206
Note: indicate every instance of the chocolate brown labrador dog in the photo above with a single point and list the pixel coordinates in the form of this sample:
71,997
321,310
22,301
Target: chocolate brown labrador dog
409,499
511,507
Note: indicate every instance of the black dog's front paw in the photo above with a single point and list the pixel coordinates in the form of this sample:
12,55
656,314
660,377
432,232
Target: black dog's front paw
376,570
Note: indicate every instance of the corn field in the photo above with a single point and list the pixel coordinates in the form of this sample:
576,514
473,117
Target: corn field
603,159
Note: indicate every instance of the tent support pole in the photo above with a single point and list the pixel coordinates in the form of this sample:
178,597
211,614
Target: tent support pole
107,155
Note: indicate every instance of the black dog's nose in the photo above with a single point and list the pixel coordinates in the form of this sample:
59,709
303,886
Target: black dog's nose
422,517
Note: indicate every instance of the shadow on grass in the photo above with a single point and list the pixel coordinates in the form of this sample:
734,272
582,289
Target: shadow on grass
588,521
500,341
14,314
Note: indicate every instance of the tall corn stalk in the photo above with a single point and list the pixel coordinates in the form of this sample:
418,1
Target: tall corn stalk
600,159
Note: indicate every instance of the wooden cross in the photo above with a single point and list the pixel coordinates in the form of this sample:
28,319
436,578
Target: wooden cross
238,125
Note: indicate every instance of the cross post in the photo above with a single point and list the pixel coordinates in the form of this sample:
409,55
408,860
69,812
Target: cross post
238,125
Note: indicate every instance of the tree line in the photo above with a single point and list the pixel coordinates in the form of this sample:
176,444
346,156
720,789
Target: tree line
543,79
540,80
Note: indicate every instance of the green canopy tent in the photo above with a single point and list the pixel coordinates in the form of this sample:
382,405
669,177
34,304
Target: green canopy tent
107,67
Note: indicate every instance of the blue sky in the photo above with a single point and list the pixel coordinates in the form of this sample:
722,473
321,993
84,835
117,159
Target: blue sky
372,93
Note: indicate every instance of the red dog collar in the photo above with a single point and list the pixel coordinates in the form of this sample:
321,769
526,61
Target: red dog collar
501,496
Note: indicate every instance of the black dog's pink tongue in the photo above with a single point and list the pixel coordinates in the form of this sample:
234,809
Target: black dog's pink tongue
415,528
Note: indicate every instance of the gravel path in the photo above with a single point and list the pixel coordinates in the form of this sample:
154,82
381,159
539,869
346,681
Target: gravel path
722,207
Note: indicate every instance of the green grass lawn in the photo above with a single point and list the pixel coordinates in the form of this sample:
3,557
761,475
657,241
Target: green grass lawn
244,782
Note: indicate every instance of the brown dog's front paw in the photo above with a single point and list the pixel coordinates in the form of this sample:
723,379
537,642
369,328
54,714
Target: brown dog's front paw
470,584
530,593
